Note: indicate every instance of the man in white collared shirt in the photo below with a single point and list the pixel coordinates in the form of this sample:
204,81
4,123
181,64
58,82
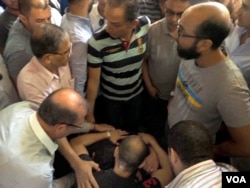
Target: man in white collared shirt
28,139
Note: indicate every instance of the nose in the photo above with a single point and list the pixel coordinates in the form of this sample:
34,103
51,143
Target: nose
175,34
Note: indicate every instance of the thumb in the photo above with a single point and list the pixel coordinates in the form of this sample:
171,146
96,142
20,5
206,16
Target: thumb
95,166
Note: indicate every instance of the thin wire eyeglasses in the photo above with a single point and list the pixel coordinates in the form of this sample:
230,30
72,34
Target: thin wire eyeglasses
67,52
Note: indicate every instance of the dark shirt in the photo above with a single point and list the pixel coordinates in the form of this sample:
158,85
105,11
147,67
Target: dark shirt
108,179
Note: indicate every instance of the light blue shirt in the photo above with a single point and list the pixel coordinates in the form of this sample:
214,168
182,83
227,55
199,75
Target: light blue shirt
240,54
79,30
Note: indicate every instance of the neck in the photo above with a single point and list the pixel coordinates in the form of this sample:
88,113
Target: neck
49,67
128,37
12,11
120,171
45,127
79,9
210,58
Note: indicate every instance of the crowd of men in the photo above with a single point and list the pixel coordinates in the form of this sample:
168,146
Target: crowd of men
123,93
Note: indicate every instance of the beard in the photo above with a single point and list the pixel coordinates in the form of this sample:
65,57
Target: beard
189,53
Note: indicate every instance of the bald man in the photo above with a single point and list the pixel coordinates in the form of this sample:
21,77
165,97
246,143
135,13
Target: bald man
210,88
28,139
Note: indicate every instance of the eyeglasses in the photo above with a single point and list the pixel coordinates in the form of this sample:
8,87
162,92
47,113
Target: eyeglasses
72,125
67,52
171,13
180,32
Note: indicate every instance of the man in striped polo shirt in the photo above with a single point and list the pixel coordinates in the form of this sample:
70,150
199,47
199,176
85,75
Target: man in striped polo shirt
115,58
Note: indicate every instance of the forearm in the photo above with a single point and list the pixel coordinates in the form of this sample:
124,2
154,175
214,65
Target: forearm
79,143
68,152
93,86
231,149
164,174
145,75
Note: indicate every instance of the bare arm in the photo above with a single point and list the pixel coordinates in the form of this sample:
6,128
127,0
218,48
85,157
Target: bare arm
83,169
92,90
164,174
238,146
153,92
79,143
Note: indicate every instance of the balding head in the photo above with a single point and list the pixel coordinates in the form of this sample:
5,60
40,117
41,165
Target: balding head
209,20
63,106
132,152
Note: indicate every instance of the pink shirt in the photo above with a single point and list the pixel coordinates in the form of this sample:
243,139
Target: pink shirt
35,82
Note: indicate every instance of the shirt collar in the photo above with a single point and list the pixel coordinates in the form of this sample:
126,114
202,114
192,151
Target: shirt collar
42,135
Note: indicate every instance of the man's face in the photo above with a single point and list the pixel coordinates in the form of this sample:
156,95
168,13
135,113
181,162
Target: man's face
186,39
173,12
189,52
117,25
11,3
244,14
61,57
35,17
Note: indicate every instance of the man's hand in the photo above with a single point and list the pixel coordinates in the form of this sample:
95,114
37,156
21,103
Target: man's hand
151,163
84,176
116,135
90,118
153,92
103,127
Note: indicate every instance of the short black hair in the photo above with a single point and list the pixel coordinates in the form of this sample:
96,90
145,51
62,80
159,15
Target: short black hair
131,8
25,6
213,29
191,141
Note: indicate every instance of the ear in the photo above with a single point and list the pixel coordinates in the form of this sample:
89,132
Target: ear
23,19
59,128
173,156
204,44
47,58
135,23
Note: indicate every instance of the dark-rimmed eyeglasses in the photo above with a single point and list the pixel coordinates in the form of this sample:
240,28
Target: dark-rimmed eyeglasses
181,32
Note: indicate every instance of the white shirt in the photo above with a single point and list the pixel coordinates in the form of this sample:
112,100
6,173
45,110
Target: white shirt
56,17
26,151
95,18
35,82
205,174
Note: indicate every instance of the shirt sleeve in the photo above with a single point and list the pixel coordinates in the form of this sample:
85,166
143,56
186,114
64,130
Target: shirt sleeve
78,65
151,183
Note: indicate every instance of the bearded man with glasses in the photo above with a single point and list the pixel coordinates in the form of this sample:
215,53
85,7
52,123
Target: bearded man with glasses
209,86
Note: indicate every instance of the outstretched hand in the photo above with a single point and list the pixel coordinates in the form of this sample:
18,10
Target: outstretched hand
84,176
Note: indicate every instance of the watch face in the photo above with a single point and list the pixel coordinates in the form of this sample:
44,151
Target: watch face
101,22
